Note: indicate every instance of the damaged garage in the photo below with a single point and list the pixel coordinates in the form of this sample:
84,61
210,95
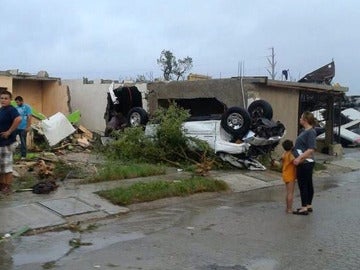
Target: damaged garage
288,99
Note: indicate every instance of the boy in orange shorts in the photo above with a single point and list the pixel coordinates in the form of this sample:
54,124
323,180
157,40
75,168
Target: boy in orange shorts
288,173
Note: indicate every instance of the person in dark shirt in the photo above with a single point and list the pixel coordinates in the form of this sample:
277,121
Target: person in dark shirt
303,152
9,121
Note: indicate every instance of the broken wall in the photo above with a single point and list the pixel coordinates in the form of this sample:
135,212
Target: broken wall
228,91
55,98
47,97
91,100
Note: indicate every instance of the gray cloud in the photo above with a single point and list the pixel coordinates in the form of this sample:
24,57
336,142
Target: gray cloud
113,39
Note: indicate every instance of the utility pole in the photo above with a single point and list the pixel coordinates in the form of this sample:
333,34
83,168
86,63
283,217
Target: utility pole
272,64
241,69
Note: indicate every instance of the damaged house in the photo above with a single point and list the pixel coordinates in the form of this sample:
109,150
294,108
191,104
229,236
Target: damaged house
212,96
288,100
46,95
43,93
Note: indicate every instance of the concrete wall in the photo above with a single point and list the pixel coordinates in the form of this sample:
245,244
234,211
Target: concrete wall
47,97
285,104
228,91
55,98
30,90
6,82
91,100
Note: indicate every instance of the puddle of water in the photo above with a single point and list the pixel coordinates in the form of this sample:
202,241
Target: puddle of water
54,245
102,239
41,248
6,250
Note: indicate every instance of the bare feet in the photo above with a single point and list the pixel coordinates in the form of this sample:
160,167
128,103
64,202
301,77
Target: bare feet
5,189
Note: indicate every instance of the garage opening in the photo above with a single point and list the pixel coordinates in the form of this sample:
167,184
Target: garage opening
199,108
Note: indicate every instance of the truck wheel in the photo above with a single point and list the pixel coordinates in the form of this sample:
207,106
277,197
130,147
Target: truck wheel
236,121
260,109
137,116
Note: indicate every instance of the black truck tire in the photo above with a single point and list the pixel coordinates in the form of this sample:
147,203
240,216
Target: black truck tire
236,121
137,116
260,109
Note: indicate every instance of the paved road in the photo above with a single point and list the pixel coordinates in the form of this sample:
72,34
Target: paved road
246,230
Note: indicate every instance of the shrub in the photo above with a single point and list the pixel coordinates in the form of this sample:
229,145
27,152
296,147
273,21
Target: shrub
169,144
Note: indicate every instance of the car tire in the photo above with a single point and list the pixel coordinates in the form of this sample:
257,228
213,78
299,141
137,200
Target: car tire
137,116
260,109
236,121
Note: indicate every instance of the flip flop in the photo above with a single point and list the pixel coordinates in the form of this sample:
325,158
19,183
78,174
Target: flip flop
308,209
298,212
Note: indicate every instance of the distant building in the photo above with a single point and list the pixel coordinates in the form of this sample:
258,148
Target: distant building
196,77
352,102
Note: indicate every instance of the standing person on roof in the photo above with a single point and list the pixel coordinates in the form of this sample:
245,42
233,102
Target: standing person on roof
9,121
22,130
303,151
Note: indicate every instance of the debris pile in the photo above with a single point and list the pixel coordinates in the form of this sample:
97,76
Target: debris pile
51,140
60,132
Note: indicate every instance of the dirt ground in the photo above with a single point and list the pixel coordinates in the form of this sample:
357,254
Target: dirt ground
50,166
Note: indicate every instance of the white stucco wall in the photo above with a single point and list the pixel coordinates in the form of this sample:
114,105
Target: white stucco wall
91,100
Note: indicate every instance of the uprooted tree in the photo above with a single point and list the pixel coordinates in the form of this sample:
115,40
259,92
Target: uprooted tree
172,67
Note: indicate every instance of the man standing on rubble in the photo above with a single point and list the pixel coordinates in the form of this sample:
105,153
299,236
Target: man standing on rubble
25,113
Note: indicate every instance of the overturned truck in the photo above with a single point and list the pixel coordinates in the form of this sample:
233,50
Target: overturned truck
124,108
237,135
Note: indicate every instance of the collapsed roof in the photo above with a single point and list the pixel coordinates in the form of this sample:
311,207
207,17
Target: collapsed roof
322,75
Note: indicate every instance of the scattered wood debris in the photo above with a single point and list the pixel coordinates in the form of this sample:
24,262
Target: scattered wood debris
81,139
44,170
85,132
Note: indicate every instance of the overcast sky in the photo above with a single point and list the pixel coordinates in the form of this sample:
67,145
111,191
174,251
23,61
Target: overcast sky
119,39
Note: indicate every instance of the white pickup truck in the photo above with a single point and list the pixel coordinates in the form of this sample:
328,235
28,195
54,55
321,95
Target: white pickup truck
239,136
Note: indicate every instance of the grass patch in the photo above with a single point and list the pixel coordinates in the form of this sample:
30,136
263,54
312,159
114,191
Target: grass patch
29,156
145,192
24,182
113,170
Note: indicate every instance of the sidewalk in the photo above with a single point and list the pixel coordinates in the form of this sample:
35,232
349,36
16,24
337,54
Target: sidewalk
71,202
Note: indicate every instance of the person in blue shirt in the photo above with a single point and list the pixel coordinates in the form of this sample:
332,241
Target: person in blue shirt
22,130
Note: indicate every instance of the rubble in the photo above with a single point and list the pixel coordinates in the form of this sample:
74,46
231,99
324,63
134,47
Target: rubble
37,173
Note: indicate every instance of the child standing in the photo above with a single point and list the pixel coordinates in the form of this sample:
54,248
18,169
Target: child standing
288,173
